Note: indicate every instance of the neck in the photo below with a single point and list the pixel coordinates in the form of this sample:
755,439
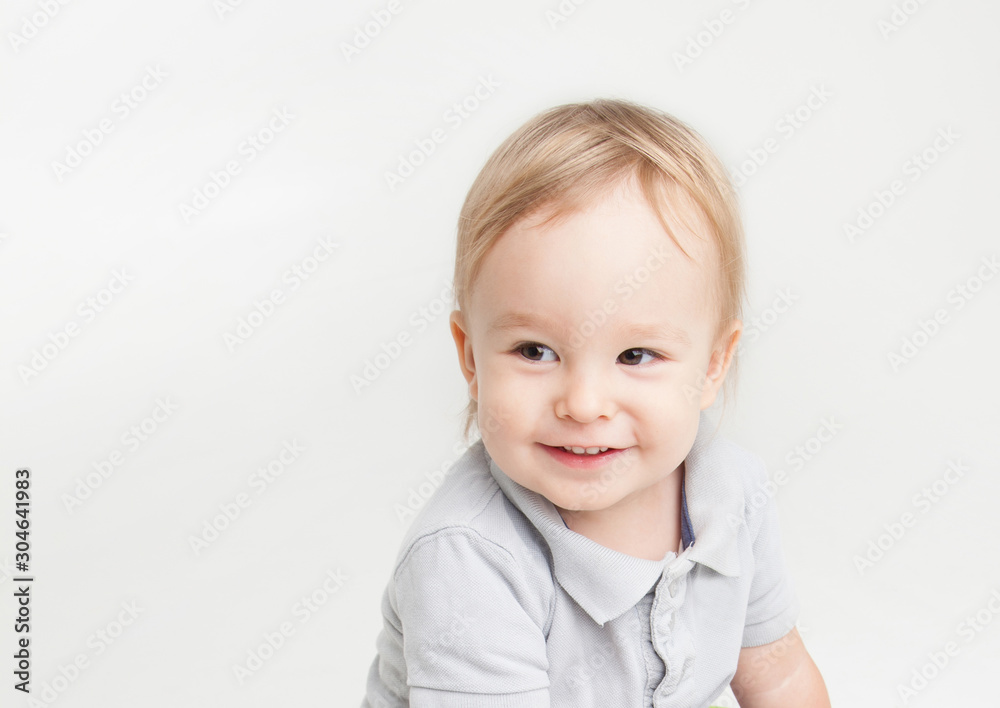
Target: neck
645,524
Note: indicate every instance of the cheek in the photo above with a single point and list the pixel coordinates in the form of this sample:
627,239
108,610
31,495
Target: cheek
500,382
669,424
673,394
688,386
668,416
508,403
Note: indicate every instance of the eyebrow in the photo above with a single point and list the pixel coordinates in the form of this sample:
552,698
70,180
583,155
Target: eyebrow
663,331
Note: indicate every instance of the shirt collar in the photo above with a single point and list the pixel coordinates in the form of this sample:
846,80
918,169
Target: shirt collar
605,582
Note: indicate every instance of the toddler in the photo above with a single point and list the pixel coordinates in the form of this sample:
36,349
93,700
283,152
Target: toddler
599,545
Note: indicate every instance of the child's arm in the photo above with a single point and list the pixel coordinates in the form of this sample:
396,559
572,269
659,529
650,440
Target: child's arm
779,675
471,624
772,672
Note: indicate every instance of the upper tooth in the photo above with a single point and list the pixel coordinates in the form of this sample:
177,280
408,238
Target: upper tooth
588,450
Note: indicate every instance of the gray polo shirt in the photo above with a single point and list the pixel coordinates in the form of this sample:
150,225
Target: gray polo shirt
496,602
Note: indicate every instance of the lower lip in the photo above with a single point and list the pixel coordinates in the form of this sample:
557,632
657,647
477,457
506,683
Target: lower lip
583,462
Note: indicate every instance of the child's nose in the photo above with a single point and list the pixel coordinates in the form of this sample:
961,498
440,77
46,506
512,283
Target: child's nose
585,396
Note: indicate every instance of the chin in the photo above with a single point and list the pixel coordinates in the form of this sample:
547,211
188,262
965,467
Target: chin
584,502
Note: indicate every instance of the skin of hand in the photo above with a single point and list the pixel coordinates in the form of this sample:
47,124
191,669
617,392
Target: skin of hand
779,675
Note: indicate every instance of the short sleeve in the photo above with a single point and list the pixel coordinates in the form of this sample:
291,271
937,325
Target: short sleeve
772,608
469,638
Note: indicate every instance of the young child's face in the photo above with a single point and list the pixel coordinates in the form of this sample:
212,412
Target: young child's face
593,332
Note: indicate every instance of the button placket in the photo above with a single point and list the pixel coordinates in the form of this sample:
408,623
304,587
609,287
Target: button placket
670,637
653,660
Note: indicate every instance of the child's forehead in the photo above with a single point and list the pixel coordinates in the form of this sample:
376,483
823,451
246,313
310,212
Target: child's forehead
610,247
673,209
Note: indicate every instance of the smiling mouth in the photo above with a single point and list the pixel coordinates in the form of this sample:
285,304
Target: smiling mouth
582,451
592,457
585,450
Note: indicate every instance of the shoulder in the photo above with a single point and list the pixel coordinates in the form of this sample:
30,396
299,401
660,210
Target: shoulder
743,468
469,500
744,473
470,530
471,578
752,470
772,606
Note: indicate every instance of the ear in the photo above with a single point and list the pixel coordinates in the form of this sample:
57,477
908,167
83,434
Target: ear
718,366
463,343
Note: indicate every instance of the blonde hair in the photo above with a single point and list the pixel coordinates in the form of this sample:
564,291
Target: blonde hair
569,154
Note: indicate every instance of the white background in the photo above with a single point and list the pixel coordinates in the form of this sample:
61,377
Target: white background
323,177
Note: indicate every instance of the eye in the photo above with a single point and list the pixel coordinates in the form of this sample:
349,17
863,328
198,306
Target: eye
634,357
533,351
